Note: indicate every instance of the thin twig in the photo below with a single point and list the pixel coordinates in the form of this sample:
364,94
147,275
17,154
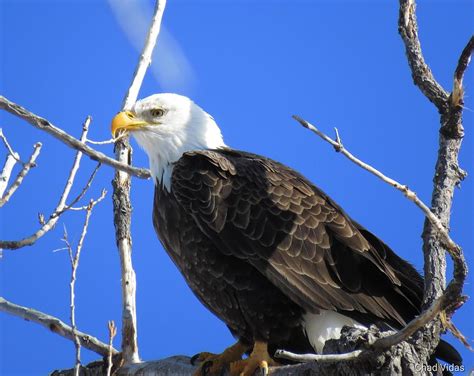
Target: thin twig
121,199
45,125
75,166
85,189
457,95
55,325
112,334
74,258
110,141
14,154
21,175
72,305
94,202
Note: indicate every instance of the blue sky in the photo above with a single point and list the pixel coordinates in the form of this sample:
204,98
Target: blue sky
251,65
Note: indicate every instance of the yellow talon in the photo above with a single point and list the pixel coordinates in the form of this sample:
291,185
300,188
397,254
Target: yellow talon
213,364
258,359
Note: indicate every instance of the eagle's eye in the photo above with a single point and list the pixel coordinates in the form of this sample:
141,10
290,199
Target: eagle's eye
157,112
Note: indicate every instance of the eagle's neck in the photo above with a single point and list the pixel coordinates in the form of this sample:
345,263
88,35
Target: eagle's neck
166,143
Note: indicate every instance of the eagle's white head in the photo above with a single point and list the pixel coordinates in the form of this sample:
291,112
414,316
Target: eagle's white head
166,126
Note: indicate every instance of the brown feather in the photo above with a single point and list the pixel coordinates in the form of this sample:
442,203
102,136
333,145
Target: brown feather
269,216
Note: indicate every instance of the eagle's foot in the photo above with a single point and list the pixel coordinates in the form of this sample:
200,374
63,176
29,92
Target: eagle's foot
259,360
216,364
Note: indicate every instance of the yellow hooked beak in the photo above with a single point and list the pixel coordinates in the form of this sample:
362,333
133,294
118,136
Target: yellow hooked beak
125,120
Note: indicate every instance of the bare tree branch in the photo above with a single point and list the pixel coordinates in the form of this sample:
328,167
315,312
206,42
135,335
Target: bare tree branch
9,148
61,206
112,334
55,325
145,57
72,306
428,315
457,96
74,258
45,125
106,142
21,175
121,199
319,358
85,189
10,162
12,158
93,202
421,73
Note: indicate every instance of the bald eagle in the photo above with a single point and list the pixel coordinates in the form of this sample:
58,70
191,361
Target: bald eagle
263,248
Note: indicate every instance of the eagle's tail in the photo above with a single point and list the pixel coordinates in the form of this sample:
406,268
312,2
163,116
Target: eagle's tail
448,353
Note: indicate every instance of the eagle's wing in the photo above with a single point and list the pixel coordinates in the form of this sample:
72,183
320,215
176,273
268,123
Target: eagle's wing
269,215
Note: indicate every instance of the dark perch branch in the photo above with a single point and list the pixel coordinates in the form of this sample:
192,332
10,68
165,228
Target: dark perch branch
355,364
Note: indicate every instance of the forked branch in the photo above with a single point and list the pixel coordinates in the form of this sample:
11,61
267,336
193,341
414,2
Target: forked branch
12,159
421,73
62,206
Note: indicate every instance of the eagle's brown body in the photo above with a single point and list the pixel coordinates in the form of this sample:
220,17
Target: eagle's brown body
260,246
264,249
